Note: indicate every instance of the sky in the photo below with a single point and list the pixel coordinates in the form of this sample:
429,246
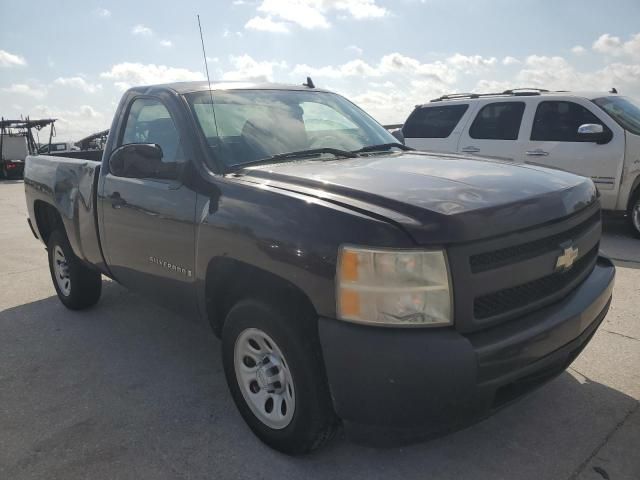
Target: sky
72,60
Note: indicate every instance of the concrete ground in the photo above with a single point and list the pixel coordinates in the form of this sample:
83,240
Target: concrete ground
129,390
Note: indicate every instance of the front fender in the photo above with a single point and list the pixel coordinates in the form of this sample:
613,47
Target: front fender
287,234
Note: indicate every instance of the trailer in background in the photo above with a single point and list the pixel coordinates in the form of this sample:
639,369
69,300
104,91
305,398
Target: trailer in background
17,141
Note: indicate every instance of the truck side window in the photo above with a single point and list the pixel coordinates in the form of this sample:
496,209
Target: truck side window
433,122
558,121
498,121
149,122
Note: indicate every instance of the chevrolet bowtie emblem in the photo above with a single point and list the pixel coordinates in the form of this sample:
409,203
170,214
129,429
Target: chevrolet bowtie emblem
565,261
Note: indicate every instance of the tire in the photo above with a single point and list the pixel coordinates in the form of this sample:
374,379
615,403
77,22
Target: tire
78,287
633,214
307,421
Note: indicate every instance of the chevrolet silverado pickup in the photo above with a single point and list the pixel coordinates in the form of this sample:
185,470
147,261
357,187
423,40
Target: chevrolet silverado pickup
351,280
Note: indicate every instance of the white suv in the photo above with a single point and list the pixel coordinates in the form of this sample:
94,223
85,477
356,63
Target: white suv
592,134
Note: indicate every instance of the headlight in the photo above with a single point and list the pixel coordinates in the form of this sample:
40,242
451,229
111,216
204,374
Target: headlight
393,287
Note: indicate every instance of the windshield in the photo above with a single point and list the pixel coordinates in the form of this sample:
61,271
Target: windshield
251,125
625,111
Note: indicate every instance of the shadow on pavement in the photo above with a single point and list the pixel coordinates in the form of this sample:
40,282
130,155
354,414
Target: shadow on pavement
130,390
619,244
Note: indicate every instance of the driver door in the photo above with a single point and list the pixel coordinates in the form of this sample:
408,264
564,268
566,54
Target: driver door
148,223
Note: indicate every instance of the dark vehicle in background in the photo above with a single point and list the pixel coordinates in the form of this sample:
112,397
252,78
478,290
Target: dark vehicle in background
58,147
351,280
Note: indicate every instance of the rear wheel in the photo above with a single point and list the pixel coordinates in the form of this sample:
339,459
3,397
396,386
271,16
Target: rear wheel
276,376
77,285
633,214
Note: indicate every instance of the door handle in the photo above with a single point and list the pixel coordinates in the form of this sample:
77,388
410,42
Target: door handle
470,149
537,153
116,200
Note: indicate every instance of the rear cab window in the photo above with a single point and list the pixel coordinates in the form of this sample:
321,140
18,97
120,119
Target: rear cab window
434,122
498,121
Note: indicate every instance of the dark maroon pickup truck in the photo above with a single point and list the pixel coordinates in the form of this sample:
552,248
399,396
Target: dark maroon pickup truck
352,281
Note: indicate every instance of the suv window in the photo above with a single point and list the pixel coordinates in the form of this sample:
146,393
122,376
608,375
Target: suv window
558,121
149,122
433,122
498,121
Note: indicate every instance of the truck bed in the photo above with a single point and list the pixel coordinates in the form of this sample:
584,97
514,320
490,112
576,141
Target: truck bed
69,185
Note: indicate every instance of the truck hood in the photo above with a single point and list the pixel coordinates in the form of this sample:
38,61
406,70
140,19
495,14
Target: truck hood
436,198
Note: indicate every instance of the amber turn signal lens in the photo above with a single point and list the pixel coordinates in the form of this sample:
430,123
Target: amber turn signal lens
349,266
350,303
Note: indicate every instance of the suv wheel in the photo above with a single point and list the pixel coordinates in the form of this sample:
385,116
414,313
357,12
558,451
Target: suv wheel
77,285
276,377
634,215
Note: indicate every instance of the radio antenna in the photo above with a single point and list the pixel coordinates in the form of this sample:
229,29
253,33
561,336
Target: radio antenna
206,68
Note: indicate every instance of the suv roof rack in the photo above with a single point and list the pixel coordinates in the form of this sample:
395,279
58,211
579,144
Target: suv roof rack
516,92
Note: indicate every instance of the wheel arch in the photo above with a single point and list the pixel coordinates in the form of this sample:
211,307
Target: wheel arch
47,220
230,280
634,192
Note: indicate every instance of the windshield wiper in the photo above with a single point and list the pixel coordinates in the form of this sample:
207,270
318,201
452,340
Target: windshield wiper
298,154
382,147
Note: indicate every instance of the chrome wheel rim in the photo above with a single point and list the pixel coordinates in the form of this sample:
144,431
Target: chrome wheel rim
61,271
635,215
264,378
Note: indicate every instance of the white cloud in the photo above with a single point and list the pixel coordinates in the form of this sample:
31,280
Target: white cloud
360,9
355,49
142,30
11,60
226,33
128,74
246,68
612,45
556,73
608,44
73,124
166,43
492,86
103,12
25,89
349,69
553,73
395,64
266,24
579,50
274,15
510,61
78,82
471,64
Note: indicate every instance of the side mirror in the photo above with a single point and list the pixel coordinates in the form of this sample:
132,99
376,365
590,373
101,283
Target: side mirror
594,132
136,160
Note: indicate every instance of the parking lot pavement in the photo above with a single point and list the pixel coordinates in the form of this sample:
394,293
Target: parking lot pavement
129,390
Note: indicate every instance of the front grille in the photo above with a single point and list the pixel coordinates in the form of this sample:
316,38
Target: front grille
512,298
524,251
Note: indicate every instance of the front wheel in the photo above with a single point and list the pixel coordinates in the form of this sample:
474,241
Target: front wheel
78,286
276,377
634,215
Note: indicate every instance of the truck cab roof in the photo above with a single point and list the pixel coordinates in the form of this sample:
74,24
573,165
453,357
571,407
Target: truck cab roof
182,88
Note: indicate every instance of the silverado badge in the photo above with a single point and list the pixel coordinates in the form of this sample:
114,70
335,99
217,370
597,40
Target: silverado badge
565,261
